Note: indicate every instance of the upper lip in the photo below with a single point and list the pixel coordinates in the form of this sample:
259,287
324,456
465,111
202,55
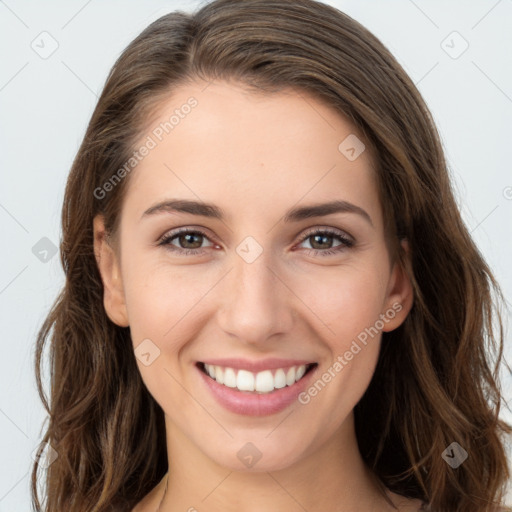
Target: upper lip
256,366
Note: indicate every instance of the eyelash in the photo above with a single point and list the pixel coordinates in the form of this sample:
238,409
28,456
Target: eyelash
346,242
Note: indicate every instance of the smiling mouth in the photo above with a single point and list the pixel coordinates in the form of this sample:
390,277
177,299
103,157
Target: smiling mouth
263,382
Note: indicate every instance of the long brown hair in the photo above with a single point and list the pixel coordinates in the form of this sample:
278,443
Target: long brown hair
436,382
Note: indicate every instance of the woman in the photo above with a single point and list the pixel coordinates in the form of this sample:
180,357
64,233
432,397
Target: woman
248,370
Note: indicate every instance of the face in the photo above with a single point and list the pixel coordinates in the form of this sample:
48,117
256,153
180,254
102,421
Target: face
261,287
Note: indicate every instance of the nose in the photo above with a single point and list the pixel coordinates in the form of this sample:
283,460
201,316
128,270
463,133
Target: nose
256,303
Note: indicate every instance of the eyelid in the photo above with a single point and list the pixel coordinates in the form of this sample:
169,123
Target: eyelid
330,230
348,240
173,233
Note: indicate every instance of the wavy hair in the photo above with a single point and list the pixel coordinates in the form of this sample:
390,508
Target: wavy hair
437,378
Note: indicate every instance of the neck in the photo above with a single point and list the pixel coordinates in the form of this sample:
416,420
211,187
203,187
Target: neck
332,474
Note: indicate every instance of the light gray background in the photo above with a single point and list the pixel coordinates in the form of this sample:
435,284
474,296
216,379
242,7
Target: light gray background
46,105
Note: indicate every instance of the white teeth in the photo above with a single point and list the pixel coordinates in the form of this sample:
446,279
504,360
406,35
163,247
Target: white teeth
264,382
261,382
230,378
290,376
280,379
301,370
244,381
219,375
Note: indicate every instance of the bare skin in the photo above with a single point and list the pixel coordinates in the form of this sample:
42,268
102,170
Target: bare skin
152,500
255,157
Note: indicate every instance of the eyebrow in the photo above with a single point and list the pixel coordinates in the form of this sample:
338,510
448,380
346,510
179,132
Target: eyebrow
294,215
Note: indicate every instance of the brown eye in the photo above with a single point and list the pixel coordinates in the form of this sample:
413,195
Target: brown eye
321,244
188,241
321,240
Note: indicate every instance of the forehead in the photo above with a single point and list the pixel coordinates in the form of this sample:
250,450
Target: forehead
223,144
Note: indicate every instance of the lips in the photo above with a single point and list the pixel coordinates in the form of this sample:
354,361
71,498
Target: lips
265,376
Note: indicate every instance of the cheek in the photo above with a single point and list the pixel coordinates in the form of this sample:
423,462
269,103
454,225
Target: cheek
159,301
349,308
162,306
346,302
155,292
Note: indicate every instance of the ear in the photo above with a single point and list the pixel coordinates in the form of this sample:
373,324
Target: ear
109,267
400,296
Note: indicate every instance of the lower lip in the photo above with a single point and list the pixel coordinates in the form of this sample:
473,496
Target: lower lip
254,404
